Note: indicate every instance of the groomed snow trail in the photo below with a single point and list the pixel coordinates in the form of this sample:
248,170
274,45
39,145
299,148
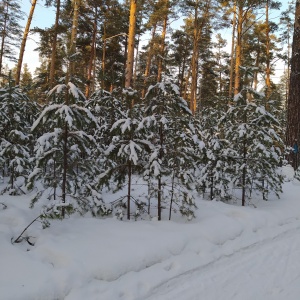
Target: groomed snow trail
269,270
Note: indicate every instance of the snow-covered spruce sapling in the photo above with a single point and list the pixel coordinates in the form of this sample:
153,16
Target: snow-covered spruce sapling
126,150
213,171
63,162
107,108
256,148
16,113
175,148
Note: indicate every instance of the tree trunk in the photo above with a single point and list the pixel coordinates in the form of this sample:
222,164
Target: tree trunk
149,58
103,55
198,28
194,65
268,67
162,46
24,40
129,189
130,47
255,78
3,32
232,50
54,45
65,169
136,61
159,192
293,106
92,57
238,51
72,50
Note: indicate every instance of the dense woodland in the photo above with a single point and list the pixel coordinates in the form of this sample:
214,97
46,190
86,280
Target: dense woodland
144,92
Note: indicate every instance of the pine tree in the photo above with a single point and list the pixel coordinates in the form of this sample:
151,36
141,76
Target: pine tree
63,154
215,170
170,123
255,147
16,116
126,151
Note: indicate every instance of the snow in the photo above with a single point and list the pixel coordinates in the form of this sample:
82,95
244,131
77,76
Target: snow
227,252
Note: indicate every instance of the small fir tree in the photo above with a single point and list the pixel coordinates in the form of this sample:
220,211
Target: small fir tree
63,154
256,148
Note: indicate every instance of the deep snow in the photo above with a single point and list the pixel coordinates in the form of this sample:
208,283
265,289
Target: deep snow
227,252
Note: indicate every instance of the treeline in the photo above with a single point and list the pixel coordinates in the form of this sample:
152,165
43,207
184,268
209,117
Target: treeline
91,41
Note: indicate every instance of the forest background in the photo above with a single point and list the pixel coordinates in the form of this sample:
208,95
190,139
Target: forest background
120,83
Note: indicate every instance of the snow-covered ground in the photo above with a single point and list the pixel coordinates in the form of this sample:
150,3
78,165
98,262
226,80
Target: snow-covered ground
227,252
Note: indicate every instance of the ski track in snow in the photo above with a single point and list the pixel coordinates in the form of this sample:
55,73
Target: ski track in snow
259,271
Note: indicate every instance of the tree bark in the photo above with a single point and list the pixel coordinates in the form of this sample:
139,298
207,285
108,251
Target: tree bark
24,40
54,45
72,50
162,46
130,47
92,57
232,50
238,51
129,189
293,105
149,58
65,169
3,36
194,65
268,67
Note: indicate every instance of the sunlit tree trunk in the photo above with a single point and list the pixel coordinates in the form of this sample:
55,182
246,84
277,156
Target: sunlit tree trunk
24,40
232,50
130,44
238,50
54,45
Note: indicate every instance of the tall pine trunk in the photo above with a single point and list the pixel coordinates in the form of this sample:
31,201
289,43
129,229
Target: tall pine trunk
268,67
3,32
54,46
72,51
293,106
194,62
149,58
232,51
130,44
238,50
92,57
24,40
162,46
